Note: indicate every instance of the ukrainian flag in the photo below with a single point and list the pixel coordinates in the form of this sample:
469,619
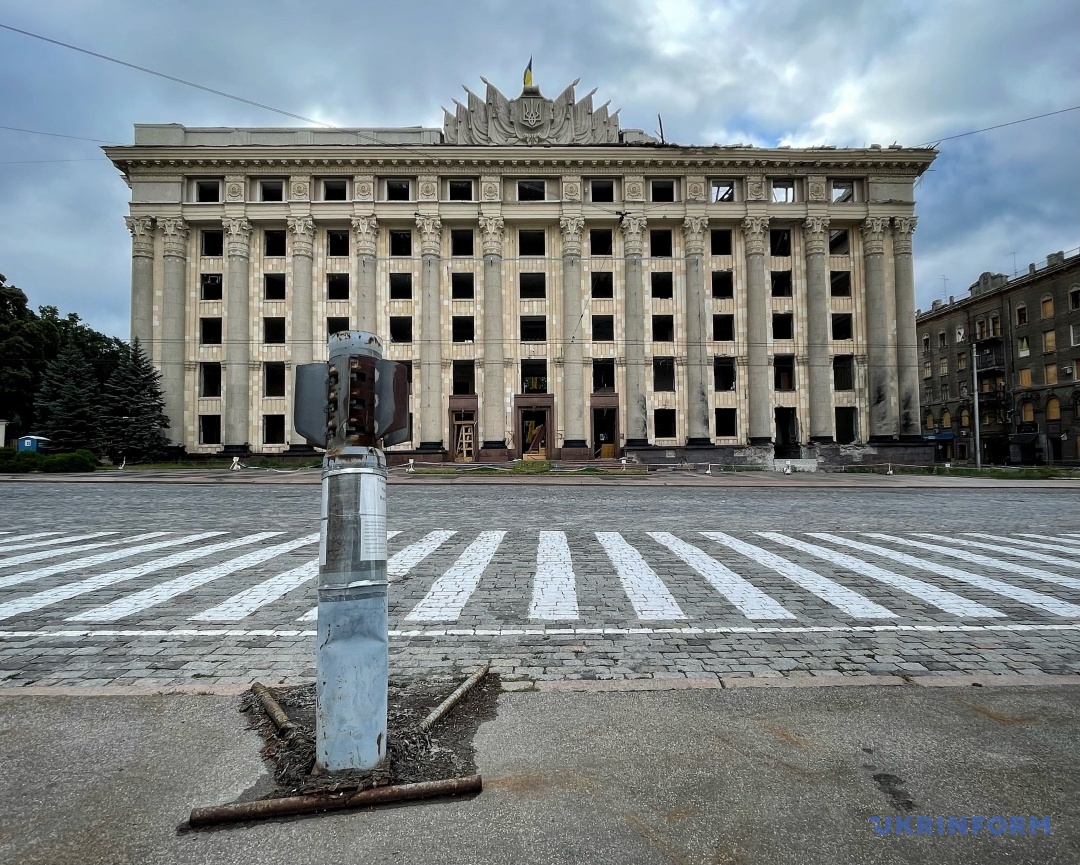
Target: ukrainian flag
528,74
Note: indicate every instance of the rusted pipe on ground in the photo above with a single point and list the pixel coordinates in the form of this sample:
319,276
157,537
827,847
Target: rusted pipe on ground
273,709
449,703
263,808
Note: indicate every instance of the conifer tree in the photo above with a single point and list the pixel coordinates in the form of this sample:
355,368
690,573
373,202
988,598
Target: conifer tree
66,406
135,410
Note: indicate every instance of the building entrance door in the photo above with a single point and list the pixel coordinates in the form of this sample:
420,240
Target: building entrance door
534,434
787,434
605,433
464,436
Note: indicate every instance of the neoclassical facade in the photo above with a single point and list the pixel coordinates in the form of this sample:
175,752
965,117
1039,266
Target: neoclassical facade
558,285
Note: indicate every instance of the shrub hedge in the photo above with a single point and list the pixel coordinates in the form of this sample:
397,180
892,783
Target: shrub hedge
22,462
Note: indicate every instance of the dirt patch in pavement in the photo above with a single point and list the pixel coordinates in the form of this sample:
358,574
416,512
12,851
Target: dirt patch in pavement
444,751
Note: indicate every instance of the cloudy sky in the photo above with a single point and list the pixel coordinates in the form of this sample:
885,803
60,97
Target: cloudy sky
838,72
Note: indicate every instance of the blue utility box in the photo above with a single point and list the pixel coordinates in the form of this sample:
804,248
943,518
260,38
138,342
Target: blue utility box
38,444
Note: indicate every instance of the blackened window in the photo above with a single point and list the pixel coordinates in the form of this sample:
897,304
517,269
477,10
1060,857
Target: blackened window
273,429
337,286
460,190
462,286
784,372
841,325
534,376
209,380
533,328
337,324
780,242
723,283
843,371
663,285
723,373
663,328
335,190
397,190
727,423
663,373
840,283
664,423
464,377
603,375
781,283
723,328
337,243
401,243
660,242
783,325
533,286
603,285
602,190
462,328
846,425
600,241
531,241
663,190
461,242
210,286
274,378
210,331
208,190
209,429
273,330
839,242
273,286
401,328
720,241
213,242
603,328
531,190
401,286
274,243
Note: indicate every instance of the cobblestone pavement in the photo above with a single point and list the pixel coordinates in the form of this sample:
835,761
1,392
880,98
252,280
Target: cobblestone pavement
148,584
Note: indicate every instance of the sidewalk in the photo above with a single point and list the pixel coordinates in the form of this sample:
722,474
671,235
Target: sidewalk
784,775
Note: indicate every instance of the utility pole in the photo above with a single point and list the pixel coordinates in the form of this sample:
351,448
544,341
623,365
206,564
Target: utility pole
351,405
975,397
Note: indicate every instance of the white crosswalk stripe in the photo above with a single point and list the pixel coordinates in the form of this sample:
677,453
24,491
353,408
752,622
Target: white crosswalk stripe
1046,542
1009,546
828,590
997,587
67,591
449,593
163,592
66,551
985,561
645,590
747,598
32,541
943,600
554,586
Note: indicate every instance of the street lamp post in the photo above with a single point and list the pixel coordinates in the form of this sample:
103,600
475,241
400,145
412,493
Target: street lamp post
975,397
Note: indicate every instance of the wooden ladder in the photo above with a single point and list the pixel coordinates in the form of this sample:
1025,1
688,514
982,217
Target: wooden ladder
465,441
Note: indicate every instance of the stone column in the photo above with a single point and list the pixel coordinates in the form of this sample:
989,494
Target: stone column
303,301
818,332
637,422
881,355
431,398
697,330
493,417
756,234
142,281
907,350
236,429
573,407
173,321
365,233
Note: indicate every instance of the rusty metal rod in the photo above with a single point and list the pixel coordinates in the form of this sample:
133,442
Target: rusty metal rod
273,708
311,804
449,703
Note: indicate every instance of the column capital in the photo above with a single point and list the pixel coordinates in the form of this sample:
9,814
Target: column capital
873,232
816,234
238,234
142,235
430,234
633,229
364,229
571,228
755,230
175,233
492,229
694,228
303,235
903,228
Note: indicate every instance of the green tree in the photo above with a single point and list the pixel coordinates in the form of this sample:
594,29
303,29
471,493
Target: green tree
27,344
135,410
67,402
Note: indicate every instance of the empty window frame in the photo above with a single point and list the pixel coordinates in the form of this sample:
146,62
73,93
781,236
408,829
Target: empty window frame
531,190
995,325
723,284
212,242
783,325
401,328
847,419
663,328
926,342
664,374
274,378
273,330
600,241
942,339
336,324
602,285
783,191
839,242
462,243
840,283
337,286
1046,307
723,373
1074,299
209,429
780,242
660,243
274,245
784,372
534,376
207,191
980,329
398,190
462,328
722,191
400,242
662,285
533,328
727,423
462,286
336,189
1023,346
1021,313
532,241
532,286
1074,331
271,190
723,328
273,429
780,283
843,372
603,328
209,380
273,286
662,190
603,375
842,192
209,331
841,325
210,286
664,423
720,241
602,190
337,243
463,380
459,190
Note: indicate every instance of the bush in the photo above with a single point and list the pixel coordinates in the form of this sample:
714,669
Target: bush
22,462
80,461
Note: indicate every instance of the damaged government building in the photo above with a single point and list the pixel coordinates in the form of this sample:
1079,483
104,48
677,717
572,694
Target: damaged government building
559,286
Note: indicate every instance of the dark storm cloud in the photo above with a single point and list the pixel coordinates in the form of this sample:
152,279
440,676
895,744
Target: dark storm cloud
844,73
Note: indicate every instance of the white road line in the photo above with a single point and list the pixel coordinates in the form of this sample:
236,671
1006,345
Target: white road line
828,590
943,600
449,593
1004,547
20,543
78,548
646,591
51,596
1057,541
985,561
554,587
101,558
164,591
1007,590
747,598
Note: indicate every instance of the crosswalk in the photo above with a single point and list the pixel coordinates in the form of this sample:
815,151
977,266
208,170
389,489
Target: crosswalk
501,578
